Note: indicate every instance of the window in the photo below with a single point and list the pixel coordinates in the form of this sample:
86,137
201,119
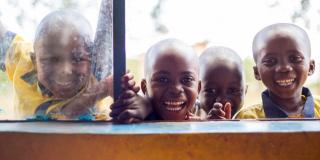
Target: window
201,24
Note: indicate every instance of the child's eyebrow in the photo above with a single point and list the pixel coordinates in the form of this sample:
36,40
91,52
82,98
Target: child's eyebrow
235,84
161,72
295,51
79,52
187,72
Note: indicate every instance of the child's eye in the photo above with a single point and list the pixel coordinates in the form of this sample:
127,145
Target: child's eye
296,59
235,91
79,59
187,80
269,61
162,80
210,92
51,60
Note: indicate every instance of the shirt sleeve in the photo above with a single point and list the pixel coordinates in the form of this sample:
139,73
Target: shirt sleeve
251,112
5,43
17,54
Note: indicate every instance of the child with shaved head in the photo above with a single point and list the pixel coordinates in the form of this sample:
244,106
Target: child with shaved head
52,78
222,82
171,83
282,54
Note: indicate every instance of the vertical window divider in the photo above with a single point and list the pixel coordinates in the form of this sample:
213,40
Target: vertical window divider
119,47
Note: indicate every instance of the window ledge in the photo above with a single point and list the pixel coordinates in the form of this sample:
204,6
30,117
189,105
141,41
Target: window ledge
232,140
243,126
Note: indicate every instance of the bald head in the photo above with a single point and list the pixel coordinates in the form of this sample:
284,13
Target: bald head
284,30
217,56
64,24
169,46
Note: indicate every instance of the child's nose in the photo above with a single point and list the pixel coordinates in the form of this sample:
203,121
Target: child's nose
66,68
222,99
175,89
284,67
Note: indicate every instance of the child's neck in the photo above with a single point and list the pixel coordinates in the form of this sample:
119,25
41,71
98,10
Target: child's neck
292,105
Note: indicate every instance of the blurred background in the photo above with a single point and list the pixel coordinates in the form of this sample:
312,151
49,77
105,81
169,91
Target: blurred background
200,23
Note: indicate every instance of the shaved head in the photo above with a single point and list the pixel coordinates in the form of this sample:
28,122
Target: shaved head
169,46
215,56
64,23
280,30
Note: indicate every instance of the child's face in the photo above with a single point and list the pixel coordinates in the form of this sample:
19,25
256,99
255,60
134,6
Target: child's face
283,66
173,86
63,68
222,83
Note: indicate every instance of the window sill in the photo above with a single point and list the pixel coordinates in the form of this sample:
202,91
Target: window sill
232,140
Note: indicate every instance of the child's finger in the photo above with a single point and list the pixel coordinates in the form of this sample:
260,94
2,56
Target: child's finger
128,76
217,105
216,114
136,89
128,84
127,114
218,109
129,120
227,110
126,94
122,103
107,84
192,116
115,112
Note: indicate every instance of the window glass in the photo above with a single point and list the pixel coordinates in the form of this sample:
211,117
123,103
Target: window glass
201,24
56,58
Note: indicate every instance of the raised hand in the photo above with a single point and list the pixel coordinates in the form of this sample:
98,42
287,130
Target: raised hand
220,111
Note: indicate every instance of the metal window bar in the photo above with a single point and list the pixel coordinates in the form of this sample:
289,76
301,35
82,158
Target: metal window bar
119,52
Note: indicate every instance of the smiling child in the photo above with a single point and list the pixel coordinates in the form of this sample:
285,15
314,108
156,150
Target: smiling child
282,54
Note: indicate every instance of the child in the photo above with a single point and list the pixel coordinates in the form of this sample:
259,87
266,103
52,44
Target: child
52,78
222,82
283,63
171,83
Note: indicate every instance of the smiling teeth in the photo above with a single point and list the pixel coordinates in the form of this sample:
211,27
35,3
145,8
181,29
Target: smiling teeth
63,83
173,109
173,106
173,103
285,82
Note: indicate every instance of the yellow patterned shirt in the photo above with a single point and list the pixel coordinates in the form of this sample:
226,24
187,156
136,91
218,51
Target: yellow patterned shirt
31,99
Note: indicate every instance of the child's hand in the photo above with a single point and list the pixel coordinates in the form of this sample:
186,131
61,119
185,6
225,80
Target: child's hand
2,30
129,83
130,108
84,102
219,111
192,116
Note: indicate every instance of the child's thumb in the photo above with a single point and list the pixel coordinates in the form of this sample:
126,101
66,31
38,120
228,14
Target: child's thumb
227,110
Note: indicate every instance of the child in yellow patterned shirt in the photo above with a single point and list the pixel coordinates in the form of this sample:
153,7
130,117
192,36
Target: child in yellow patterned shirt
52,78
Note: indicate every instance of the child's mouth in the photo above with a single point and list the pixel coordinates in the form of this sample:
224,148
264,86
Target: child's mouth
285,82
174,106
63,84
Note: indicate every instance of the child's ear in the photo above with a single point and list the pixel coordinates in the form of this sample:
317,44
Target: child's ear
245,89
256,73
33,59
144,86
311,67
199,86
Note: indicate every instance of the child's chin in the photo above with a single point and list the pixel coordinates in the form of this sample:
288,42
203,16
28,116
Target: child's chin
174,117
63,95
